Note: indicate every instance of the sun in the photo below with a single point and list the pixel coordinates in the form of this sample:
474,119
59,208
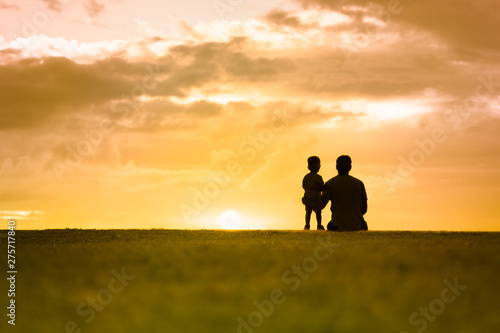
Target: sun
230,219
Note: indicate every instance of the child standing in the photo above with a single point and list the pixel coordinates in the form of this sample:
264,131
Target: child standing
313,185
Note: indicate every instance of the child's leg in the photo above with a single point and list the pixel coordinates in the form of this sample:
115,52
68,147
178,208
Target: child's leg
318,216
318,219
308,216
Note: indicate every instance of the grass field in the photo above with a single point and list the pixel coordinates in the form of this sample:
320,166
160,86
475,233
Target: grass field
255,281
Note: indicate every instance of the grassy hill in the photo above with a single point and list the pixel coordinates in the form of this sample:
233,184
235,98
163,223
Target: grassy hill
255,281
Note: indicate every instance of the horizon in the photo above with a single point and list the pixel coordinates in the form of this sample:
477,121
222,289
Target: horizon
259,230
201,114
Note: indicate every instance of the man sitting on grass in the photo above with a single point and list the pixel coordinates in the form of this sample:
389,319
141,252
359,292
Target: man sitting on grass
348,197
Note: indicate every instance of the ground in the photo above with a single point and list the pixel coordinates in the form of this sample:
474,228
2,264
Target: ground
255,281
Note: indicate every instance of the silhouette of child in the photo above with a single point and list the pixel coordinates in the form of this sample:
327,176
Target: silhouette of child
313,185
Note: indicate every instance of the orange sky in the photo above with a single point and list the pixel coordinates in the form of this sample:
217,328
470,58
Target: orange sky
148,114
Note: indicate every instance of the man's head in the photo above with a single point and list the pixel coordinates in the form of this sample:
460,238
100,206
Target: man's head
344,164
313,163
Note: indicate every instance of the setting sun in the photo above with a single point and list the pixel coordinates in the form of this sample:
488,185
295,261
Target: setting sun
230,219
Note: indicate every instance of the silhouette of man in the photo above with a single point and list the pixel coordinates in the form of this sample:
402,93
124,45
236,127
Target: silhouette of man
348,197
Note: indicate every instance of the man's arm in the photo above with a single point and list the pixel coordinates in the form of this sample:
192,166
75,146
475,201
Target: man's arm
364,206
364,201
325,197
323,202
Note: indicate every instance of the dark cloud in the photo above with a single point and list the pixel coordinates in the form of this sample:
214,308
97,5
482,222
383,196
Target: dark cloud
204,108
281,17
53,4
9,6
35,89
93,8
300,114
422,45
239,107
163,114
9,55
210,61
384,69
240,65
465,25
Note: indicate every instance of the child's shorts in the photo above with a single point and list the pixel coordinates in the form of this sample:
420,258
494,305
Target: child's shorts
312,205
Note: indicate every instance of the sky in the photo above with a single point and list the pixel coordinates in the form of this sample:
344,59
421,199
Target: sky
201,114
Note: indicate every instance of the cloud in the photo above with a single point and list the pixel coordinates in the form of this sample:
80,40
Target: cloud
54,5
349,81
9,6
240,65
147,28
9,55
93,8
204,108
57,85
281,17
36,89
466,26
165,115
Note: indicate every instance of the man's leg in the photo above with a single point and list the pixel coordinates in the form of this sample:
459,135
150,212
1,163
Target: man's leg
364,225
331,227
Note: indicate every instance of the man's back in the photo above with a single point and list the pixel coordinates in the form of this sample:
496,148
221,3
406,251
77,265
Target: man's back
348,197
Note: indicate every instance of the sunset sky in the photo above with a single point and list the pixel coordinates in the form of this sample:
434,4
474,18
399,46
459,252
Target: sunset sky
202,113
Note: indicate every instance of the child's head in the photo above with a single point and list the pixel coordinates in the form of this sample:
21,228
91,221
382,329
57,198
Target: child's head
313,163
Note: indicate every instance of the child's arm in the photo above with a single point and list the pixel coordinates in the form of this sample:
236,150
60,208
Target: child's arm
322,183
304,182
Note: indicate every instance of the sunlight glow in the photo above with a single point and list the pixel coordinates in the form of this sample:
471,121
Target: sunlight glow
324,19
393,110
230,219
